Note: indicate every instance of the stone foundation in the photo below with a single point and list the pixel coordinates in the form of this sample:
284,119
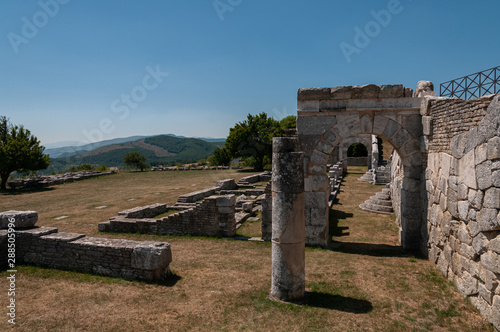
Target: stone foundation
127,259
214,216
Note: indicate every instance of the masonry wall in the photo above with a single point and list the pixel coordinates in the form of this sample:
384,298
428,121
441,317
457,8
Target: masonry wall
462,140
214,216
126,259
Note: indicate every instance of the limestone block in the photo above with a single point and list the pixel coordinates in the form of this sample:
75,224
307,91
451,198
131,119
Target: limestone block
453,183
443,185
391,91
473,225
379,123
401,138
228,184
463,235
463,209
391,129
463,192
413,124
491,280
494,148
324,147
491,261
484,175
492,198
476,198
480,243
308,143
369,91
458,145
443,265
495,178
315,125
495,312
23,219
347,124
316,183
225,200
467,285
481,153
454,166
427,125
443,202
341,92
485,294
366,123
151,256
467,171
471,140
314,93
318,157
487,219
494,245
452,203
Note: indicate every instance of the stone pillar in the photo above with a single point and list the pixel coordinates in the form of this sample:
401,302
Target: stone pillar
288,235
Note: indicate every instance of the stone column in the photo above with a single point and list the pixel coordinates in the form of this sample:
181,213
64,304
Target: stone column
288,235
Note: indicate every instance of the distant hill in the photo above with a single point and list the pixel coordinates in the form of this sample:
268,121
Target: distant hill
66,151
162,149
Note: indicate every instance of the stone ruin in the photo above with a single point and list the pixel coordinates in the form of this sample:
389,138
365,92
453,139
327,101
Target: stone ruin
444,184
45,246
209,212
51,180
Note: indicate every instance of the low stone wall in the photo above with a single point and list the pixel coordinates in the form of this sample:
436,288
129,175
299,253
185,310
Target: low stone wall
196,195
357,161
148,211
214,216
126,259
262,177
50,180
463,196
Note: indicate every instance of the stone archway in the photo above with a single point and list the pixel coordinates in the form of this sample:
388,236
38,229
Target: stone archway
329,116
364,139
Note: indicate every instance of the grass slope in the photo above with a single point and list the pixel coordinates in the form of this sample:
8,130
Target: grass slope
365,282
161,149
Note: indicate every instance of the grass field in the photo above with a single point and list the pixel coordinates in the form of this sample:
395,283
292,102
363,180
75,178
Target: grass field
365,282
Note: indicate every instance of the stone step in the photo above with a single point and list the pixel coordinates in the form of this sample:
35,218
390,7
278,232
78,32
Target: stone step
382,196
374,200
371,208
377,207
386,191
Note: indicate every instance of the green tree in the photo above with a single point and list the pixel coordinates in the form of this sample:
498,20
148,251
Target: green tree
135,159
288,122
357,150
220,157
253,138
19,151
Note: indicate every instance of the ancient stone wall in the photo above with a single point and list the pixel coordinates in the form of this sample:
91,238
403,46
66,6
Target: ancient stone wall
51,180
357,161
214,216
462,186
126,259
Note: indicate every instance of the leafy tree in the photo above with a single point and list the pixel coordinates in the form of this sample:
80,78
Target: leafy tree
357,150
253,138
288,122
135,159
220,157
19,151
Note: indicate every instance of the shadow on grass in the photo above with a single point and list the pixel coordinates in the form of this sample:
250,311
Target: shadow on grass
369,249
337,302
13,192
334,218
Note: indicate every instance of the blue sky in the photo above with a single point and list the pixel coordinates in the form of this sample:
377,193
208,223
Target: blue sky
75,70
